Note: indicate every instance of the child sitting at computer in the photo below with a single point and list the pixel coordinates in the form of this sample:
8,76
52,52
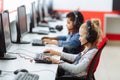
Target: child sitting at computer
90,35
74,21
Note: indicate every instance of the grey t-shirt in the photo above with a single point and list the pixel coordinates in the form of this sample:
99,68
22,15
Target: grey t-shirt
80,68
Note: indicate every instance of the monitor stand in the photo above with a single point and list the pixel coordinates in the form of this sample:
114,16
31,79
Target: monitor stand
8,57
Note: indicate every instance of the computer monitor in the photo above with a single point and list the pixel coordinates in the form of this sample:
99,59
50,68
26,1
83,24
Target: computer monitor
41,14
45,8
48,14
5,42
6,24
39,11
50,6
33,17
33,21
21,23
22,19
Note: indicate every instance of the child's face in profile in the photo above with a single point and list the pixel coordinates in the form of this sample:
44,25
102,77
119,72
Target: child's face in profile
82,33
69,24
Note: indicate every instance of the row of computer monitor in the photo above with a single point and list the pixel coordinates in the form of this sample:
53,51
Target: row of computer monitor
13,34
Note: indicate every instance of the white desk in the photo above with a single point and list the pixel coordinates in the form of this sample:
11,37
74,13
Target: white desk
20,63
30,37
43,70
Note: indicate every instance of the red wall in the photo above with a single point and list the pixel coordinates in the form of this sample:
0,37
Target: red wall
1,5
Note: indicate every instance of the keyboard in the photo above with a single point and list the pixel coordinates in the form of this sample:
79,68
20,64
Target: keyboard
43,25
42,55
51,29
37,42
26,76
44,32
40,58
43,61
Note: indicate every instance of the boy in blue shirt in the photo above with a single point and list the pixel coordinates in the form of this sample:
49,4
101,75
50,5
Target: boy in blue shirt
74,21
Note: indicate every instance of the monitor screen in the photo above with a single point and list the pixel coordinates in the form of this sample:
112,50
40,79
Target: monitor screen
5,36
47,7
50,6
33,15
39,11
6,24
21,24
22,19
2,39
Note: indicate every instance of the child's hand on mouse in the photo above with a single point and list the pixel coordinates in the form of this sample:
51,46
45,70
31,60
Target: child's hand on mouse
52,52
54,61
47,41
45,38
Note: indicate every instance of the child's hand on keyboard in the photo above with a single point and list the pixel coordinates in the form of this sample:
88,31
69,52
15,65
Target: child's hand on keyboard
52,52
47,51
54,61
45,38
46,41
49,41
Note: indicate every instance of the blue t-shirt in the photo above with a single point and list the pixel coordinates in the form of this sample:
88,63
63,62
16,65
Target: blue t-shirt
69,40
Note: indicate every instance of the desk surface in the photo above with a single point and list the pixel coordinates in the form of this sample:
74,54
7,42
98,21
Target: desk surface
20,63
24,51
45,71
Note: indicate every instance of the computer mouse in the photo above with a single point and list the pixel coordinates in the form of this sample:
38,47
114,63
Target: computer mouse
59,27
20,70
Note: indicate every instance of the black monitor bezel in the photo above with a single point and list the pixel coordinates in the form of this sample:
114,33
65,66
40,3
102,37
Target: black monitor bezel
3,55
50,7
7,12
33,19
39,12
19,35
2,45
18,15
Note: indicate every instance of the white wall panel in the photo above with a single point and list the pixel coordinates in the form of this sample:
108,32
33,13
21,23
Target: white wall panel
85,5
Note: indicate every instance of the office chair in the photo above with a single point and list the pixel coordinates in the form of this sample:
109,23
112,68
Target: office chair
95,61
92,65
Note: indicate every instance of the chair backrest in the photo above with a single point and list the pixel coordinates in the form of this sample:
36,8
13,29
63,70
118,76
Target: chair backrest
95,60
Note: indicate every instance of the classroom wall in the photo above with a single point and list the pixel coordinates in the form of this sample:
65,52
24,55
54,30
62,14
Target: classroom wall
12,5
89,8
1,5
84,5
